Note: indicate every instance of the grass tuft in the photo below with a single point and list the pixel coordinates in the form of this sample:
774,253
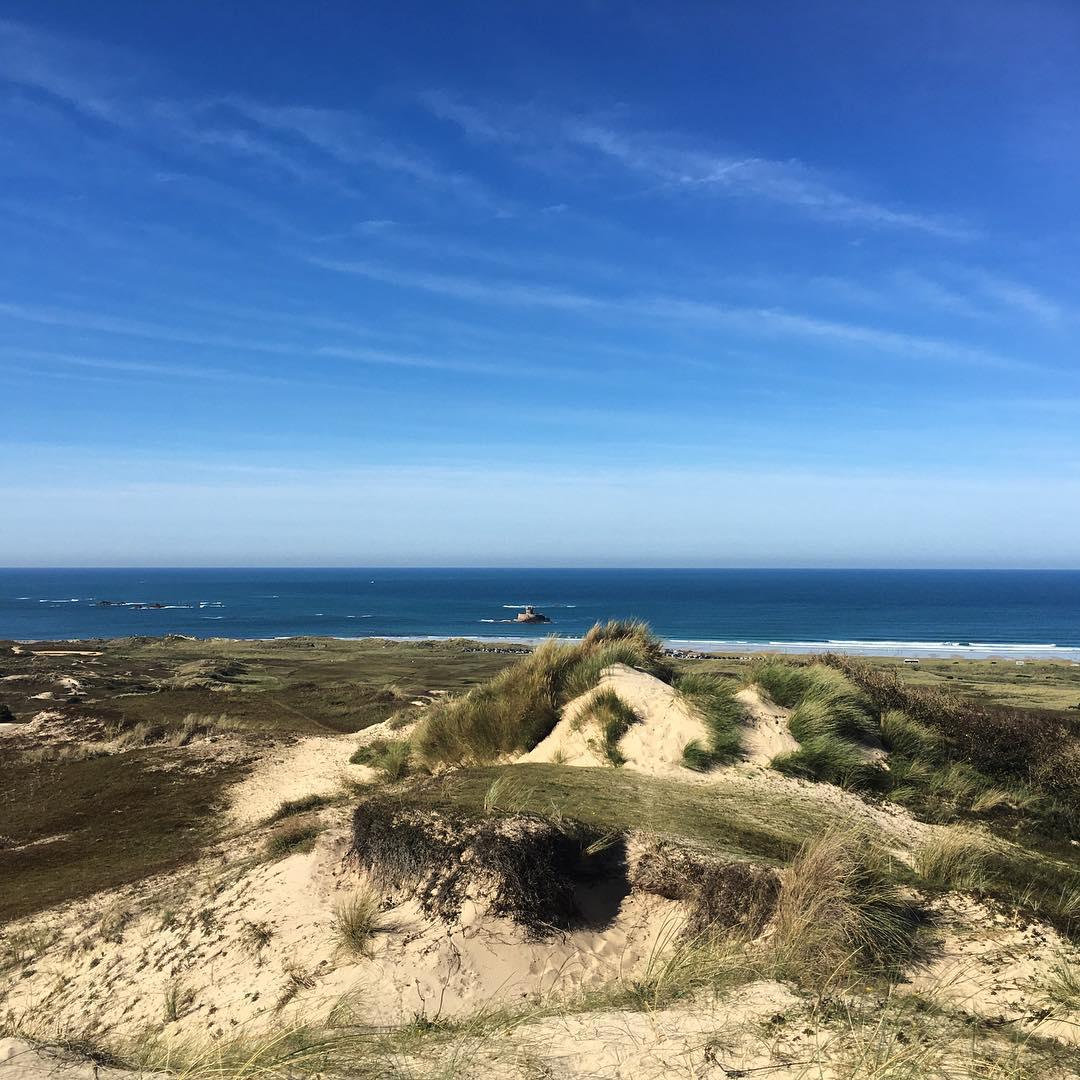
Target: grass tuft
954,858
697,757
19,947
831,759
357,920
784,682
516,709
1062,985
392,757
832,722
912,738
178,999
840,913
681,966
831,705
614,718
291,839
292,807
714,700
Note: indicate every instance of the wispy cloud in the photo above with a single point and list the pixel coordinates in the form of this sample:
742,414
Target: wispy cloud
779,323
671,309
977,293
349,139
310,145
461,287
88,76
789,183
124,327
146,367
1020,297
674,162
139,328
429,363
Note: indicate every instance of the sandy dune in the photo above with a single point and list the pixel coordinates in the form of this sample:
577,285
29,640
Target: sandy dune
252,946
765,732
666,723
309,766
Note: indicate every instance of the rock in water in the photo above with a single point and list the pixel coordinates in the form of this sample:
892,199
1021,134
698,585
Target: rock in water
530,614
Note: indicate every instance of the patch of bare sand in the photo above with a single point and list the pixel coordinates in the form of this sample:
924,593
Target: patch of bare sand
666,723
756,1028
240,948
21,1060
55,652
991,964
765,729
312,765
391,730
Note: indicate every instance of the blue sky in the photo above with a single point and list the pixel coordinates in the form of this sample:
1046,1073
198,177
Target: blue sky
540,284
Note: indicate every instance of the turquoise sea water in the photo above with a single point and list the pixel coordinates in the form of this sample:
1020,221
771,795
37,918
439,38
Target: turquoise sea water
961,612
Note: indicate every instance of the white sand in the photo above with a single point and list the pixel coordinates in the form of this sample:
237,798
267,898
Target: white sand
666,723
192,930
994,966
312,765
765,732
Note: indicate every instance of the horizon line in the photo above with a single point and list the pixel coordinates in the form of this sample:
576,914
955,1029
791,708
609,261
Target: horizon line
570,567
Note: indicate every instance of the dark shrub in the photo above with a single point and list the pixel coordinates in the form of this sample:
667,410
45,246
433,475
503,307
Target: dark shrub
720,894
1033,745
521,866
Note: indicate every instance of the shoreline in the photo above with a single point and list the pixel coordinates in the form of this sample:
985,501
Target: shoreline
925,650
938,650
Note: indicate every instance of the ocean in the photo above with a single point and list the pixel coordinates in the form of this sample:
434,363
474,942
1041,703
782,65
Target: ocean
974,613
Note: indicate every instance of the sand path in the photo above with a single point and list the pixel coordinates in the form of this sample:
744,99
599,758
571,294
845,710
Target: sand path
313,765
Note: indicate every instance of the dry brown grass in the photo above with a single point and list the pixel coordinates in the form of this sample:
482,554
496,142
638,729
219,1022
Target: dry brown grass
517,708
840,913
953,858
357,920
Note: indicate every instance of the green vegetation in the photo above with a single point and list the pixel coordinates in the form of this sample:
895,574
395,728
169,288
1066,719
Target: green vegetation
841,913
714,701
831,705
1031,747
949,760
22,946
1062,986
76,817
955,859
947,757
768,829
308,685
679,967
303,805
70,828
832,759
289,839
613,717
178,1000
832,721
903,735
516,709
356,921
390,756
784,682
